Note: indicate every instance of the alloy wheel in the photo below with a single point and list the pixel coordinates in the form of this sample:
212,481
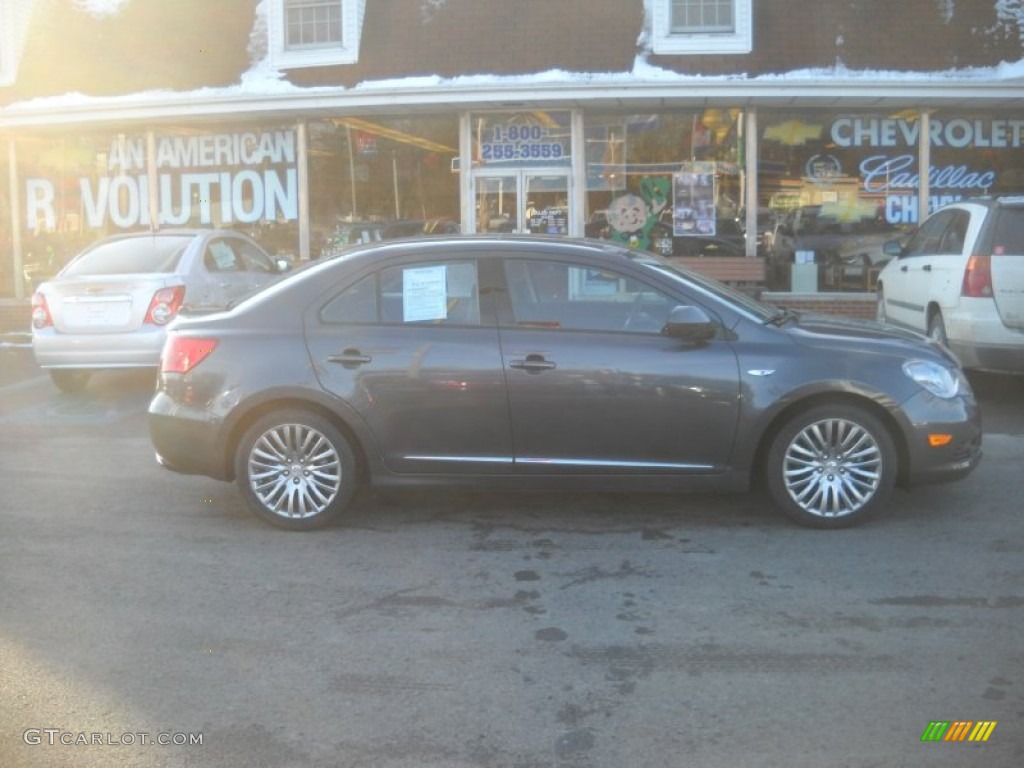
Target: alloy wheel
832,468
294,471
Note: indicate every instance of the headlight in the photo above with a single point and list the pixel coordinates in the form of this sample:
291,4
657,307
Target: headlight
937,379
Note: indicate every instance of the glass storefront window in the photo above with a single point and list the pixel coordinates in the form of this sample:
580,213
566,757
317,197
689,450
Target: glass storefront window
667,182
372,178
842,183
77,189
6,236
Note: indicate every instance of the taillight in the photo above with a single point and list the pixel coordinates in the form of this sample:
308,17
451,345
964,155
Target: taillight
40,311
183,353
165,305
978,277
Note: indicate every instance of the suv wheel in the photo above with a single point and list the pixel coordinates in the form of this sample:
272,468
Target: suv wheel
296,469
937,329
831,466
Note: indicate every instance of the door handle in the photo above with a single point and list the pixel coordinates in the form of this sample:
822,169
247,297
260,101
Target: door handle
532,364
903,268
350,358
927,268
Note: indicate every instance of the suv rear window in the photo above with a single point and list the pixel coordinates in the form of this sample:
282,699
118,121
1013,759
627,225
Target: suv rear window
1008,232
130,256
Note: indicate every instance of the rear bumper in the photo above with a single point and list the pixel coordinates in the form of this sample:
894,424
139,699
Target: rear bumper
989,357
979,339
135,349
186,441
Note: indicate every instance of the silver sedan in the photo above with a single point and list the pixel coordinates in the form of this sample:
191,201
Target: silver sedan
110,306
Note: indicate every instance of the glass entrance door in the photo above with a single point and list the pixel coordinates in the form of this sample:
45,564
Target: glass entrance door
530,202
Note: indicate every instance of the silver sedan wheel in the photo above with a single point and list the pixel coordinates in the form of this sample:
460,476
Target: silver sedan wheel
832,468
294,471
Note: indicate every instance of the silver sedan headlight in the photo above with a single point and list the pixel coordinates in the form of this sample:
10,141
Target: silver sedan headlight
937,379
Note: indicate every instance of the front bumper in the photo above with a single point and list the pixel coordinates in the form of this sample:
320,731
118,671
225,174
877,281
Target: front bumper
927,415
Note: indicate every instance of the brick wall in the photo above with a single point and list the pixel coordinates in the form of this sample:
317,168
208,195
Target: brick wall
860,305
15,315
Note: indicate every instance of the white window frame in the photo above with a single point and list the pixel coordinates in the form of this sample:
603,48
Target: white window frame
740,40
14,21
345,52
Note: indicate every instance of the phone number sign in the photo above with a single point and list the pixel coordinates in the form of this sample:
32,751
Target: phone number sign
510,144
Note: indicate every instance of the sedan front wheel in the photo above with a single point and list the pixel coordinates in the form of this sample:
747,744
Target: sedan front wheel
296,469
831,466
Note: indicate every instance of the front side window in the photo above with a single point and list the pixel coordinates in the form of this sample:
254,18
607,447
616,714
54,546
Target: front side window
312,23
930,238
556,295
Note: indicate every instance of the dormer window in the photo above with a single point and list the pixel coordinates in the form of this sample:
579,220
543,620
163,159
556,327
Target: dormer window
312,24
702,26
315,33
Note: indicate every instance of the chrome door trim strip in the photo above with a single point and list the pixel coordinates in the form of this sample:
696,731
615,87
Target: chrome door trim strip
609,463
467,459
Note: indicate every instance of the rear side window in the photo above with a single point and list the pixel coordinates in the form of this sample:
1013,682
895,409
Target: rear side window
444,293
1008,232
129,256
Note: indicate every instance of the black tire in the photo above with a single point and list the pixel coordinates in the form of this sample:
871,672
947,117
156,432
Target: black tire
813,477
296,470
70,380
937,329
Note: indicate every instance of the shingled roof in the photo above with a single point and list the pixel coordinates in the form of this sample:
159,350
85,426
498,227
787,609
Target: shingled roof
186,45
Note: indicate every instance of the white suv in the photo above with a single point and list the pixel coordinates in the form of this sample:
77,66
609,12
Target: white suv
960,279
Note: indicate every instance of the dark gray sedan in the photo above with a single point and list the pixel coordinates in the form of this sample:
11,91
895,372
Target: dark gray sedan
534,363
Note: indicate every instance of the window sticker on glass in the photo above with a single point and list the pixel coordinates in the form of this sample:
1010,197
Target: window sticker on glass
424,294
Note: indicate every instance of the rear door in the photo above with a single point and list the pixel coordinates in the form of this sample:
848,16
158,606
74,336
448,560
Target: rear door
413,348
1007,249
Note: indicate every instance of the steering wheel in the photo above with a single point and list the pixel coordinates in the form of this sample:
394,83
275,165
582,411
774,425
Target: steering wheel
637,319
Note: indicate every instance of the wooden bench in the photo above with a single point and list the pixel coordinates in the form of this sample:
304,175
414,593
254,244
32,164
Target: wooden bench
733,270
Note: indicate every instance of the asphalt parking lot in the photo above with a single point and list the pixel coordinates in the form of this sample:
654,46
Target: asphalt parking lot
462,629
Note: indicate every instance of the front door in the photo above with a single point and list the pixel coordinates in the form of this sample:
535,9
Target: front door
527,201
595,388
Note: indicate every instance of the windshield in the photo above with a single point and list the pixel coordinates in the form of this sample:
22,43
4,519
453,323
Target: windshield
737,299
131,256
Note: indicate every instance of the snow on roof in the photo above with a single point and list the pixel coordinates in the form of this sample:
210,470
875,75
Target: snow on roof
262,79
101,8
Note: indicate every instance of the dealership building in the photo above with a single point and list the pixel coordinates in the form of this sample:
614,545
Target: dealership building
670,125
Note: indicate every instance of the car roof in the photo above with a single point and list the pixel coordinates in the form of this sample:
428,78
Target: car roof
486,245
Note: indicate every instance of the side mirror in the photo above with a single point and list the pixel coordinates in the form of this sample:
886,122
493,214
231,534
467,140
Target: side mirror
690,324
892,248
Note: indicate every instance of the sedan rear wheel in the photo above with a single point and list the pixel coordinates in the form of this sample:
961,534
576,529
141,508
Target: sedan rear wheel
832,466
70,380
296,469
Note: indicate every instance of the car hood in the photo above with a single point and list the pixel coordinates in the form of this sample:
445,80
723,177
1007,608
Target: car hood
828,331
